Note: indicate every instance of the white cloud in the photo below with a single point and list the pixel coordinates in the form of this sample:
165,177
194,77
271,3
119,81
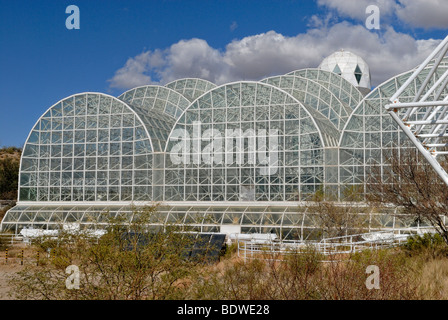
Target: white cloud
193,58
134,72
428,14
356,9
255,57
266,54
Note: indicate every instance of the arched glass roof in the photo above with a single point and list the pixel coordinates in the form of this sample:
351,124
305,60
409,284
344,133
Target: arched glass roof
159,107
87,147
157,98
191,88
330,113
158,124
289,221
339,86
251,110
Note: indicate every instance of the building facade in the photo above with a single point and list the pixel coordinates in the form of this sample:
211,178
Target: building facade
248,154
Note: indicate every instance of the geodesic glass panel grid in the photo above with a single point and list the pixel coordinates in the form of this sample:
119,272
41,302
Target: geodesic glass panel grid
158,124
371,133
191,88
88,147
158,107
314,95
339,86
245,109
157,98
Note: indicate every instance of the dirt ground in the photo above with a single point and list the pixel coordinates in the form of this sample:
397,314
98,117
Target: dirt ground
6,271
12,266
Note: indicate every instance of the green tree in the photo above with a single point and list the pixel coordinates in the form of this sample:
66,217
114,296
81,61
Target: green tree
9,178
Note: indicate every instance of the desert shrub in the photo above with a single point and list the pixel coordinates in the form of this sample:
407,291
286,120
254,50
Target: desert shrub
229,251
4,244
130,261
426,245
10,150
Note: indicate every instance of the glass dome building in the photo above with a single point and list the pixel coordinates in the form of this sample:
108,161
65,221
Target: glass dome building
245,156
350,66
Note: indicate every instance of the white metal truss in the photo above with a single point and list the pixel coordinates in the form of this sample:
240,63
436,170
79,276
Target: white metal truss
425,119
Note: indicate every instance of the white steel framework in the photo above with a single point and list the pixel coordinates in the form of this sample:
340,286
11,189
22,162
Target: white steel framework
425,119
92,153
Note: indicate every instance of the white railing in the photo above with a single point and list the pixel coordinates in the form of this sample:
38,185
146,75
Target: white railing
277,250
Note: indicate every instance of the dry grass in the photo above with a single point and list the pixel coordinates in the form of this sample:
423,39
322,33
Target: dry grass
304,277
402,277
434,279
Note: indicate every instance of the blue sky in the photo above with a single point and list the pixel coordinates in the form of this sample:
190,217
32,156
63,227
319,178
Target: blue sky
125,43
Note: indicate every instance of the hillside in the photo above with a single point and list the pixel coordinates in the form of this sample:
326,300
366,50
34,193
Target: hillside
9,172
13,153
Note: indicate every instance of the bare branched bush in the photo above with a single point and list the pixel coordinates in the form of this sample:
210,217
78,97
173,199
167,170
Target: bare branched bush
161,273
335,219
131,261
408,181
136,261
